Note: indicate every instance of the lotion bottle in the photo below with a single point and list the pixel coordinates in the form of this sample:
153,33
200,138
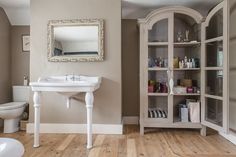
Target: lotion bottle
25,81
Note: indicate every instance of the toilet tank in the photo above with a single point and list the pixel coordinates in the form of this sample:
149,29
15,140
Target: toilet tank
21,93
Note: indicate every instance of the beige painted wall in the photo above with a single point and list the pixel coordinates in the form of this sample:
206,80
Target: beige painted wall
107,106
232,64
130,68
5,60
19,60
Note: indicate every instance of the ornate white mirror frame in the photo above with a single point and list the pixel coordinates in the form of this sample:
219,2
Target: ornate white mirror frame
79,57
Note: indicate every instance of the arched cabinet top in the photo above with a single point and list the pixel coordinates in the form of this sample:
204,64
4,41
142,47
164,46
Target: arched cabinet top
213,12
162,13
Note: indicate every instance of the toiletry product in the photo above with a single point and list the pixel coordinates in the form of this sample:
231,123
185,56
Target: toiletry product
179,36
180,65
25,81
176,62
185,61
193,63
190,63
186,36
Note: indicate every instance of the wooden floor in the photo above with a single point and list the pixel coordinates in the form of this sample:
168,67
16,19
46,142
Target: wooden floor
158,143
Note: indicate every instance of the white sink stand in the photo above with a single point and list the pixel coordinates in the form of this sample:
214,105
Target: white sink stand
38,87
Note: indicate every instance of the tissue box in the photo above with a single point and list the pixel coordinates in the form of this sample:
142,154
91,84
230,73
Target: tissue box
186,83
179,90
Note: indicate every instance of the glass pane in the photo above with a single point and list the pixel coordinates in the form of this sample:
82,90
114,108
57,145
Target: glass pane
157,82
214,111
158,107
214,82
158,57
185,28
214,54
186,109
215,27
159,32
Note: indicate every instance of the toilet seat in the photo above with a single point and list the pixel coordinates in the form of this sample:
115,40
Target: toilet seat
12,105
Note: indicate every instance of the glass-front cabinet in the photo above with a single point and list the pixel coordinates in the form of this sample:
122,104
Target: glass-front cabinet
215,69
183,69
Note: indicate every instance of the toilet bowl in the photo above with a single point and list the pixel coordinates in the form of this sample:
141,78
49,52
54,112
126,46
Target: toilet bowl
11,112
11,147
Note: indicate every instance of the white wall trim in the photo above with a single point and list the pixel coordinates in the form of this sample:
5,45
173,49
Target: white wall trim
76,128
231,137
131,120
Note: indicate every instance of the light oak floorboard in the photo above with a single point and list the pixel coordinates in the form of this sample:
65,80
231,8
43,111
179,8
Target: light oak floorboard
155,143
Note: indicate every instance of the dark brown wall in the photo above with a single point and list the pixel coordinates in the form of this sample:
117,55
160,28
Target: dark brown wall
130,68
20,60
5,58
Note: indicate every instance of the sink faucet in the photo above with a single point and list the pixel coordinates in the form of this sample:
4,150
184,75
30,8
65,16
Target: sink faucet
66,77
73,77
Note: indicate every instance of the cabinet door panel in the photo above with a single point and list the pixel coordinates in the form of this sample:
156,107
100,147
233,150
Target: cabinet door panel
215,27
215,69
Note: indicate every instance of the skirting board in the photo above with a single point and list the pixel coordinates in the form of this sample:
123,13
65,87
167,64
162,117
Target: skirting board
231,137
76,128
131,120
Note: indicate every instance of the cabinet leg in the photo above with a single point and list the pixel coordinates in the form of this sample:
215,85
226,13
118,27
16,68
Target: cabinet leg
203,131
141,130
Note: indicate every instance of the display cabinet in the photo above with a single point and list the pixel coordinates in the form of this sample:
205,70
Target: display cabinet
183,68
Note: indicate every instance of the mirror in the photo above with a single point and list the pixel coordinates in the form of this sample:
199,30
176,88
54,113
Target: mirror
75,40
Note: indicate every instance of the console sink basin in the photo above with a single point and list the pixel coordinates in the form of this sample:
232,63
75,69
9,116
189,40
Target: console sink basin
68,80
69,86
75,84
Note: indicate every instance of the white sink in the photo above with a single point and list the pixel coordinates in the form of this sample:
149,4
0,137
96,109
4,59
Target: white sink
78,82
68,80
68,85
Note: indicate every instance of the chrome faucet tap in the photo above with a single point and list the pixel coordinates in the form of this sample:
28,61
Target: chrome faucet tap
73,77
66,78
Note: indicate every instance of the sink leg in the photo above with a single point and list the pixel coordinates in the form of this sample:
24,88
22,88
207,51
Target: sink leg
89,105
36,100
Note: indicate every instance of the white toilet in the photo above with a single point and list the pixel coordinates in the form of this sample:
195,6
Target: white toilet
11,112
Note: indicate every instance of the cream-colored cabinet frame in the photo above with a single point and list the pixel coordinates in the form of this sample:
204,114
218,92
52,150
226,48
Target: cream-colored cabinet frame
225,98
145,25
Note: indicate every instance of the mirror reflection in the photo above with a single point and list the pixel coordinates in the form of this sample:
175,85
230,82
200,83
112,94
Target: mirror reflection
75,40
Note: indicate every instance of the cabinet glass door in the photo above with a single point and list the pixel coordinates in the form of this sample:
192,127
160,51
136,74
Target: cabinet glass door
214,69
157,94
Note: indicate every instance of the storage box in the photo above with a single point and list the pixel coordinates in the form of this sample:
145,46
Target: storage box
186,82
179,90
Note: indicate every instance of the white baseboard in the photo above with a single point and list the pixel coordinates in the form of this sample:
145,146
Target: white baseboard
76,128
131,120
231,137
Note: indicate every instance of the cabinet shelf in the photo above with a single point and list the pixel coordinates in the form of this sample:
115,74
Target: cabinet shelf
157,43
214,39
213,68
187,94
186,44
187,124
158,94
157,69
186,69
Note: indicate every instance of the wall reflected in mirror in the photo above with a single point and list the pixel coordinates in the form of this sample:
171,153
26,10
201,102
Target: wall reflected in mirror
75,40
